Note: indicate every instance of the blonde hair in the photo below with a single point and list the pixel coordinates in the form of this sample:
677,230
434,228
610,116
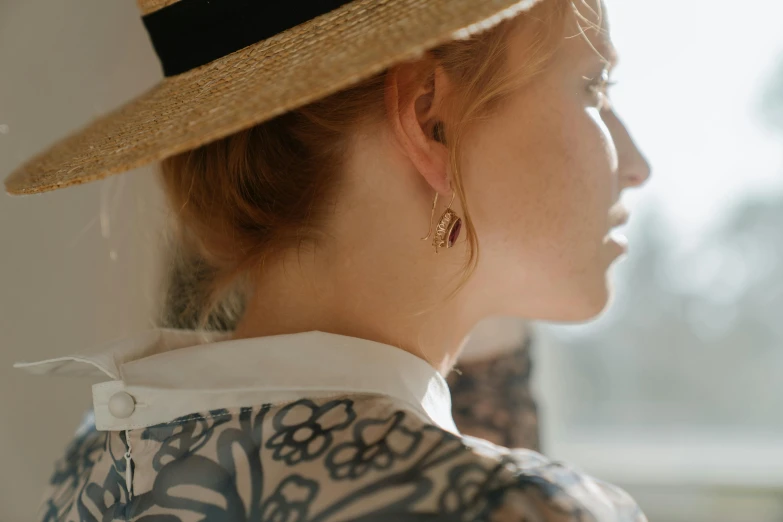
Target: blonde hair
259,191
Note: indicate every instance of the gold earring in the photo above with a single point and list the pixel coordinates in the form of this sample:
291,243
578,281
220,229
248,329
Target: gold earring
448,229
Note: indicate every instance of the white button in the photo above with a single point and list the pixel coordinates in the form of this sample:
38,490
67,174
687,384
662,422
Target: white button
121,405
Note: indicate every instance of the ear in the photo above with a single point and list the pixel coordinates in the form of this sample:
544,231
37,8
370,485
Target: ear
413,119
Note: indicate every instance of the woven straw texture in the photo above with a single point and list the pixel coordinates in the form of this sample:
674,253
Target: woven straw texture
149,6
254,84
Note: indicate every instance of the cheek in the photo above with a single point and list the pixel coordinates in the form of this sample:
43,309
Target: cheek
541,180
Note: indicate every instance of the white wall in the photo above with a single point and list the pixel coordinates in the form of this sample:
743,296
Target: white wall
62,63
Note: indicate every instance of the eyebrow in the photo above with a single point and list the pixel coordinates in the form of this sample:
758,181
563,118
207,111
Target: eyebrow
614,59
608,53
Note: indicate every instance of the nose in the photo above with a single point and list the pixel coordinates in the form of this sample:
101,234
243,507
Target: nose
634,169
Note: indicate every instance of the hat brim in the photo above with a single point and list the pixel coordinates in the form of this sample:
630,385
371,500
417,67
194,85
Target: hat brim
257,83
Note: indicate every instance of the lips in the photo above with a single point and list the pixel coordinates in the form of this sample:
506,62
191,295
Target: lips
618,216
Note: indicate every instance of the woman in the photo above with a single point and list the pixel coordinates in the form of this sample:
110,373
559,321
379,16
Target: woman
305,154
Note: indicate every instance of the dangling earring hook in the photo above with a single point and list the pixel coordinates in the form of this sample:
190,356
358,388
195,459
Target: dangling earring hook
432,216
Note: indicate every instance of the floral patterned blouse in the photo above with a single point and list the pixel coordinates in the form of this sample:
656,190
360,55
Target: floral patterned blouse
312,426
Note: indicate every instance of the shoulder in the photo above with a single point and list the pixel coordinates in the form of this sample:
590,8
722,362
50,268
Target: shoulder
377,446
358,458
524,485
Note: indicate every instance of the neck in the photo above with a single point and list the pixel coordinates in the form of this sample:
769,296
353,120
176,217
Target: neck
372,276
351,295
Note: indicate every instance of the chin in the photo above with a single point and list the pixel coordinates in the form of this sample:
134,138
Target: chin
592,302
576,301
582,304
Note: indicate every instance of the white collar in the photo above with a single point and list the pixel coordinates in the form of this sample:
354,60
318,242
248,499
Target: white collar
171,373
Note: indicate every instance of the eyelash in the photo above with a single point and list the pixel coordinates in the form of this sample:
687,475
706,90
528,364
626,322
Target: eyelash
602,85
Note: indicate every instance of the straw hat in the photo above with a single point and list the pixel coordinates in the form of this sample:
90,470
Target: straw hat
231,64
